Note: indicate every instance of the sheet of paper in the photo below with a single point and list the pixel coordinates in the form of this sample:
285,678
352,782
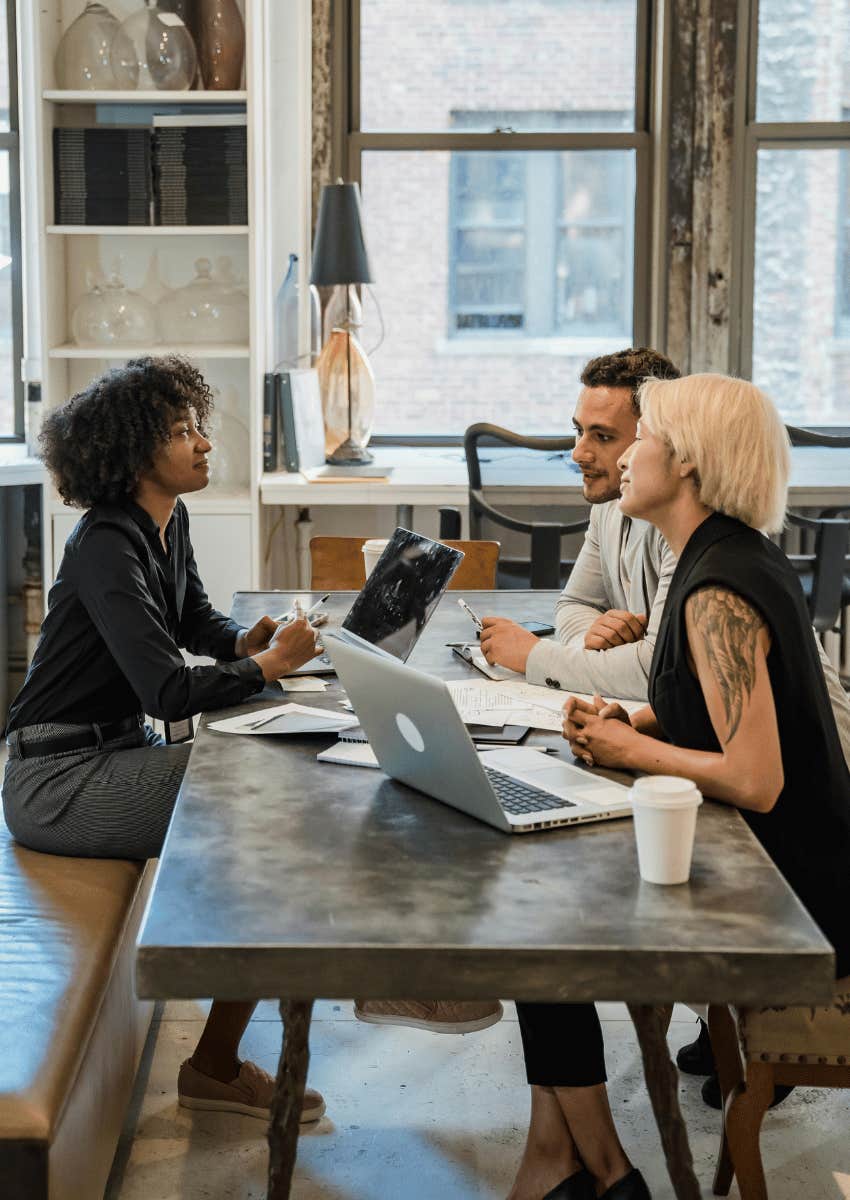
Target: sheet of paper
274,720
303,683
515,702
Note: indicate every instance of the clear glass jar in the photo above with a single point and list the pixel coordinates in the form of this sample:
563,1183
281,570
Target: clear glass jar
158,51
205,310
88,49
112,315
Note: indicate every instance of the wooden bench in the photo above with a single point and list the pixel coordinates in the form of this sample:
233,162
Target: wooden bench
71,1028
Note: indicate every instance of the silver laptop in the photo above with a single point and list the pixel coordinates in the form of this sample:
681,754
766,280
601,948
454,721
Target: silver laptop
418,737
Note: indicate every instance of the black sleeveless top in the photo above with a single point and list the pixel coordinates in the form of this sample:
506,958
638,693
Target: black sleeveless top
807,833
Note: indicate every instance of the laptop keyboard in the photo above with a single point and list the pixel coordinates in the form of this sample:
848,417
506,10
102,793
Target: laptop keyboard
518,797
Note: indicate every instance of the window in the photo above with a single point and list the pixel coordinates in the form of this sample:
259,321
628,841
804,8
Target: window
11,389
797,327
504,169
541,244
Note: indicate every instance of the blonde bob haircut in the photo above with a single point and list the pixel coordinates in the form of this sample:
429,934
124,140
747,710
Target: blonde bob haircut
733,434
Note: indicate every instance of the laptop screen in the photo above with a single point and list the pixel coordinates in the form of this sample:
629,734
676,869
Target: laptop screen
402,592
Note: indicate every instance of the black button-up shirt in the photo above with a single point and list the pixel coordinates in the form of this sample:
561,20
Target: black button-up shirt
118,613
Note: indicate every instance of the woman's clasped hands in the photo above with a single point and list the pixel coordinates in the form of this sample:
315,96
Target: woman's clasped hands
599,732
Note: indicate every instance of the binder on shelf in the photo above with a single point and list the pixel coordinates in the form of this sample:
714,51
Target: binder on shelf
288,457
270,438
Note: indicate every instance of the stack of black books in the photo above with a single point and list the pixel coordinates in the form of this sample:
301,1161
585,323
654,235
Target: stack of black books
201,174
102,176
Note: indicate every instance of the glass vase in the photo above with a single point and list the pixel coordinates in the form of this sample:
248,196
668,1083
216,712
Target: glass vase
88,49
349,413
205,310
219,33
159,52
112,315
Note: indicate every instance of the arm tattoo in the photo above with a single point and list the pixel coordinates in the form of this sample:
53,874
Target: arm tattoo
729,628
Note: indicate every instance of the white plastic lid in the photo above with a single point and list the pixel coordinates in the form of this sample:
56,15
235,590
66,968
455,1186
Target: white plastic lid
374,544
665,791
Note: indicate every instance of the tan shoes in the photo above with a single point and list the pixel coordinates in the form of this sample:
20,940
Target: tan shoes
437,1016
249,1093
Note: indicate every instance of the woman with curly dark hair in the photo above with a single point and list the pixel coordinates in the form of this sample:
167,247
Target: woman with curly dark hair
85,775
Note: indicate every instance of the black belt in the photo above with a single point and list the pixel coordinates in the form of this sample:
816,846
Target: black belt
93,737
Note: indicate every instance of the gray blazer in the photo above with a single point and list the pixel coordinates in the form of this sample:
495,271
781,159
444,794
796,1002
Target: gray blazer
626,564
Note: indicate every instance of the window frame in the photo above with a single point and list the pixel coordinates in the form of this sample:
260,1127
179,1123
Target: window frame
751,136
10,141
349,142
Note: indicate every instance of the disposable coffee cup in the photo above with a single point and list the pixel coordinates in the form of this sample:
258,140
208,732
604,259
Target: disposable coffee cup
665,818
372,551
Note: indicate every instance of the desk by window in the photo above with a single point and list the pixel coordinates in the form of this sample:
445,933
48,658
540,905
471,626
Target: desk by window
281,874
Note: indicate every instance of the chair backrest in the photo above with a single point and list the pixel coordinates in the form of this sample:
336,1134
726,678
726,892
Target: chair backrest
337,564
813,437
545,561
825,571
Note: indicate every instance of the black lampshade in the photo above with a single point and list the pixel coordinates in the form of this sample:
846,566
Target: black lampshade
339,251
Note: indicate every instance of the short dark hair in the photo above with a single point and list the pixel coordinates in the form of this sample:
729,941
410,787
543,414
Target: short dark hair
628,369
98,443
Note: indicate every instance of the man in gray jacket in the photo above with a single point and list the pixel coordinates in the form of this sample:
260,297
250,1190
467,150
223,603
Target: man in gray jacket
608,615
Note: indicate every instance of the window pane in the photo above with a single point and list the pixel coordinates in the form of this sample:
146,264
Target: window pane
803,60
7,364
470,313
801,310
530,66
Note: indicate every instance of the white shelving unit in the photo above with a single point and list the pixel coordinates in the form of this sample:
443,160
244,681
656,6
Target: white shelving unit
208,350
157,231
226,517
159,99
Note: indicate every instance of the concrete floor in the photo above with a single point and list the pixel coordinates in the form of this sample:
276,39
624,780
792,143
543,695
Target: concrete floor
423,1117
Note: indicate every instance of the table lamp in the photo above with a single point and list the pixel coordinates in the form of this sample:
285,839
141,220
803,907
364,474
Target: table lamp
340,259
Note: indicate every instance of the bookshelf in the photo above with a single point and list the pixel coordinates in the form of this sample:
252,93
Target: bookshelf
61,259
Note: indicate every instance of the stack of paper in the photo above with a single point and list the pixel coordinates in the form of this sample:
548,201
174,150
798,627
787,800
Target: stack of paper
512,702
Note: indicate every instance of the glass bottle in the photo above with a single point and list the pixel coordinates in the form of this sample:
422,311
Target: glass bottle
88,49
286,318
161,53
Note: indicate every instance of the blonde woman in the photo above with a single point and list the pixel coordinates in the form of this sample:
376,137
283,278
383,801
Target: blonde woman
737,703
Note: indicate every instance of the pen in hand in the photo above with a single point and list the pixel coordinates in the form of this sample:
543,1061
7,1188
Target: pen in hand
297,612
476,620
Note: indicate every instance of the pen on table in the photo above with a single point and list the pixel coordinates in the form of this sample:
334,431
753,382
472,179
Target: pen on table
476,620
296,612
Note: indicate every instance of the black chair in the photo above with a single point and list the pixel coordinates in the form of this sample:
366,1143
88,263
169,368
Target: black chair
545,568
824,571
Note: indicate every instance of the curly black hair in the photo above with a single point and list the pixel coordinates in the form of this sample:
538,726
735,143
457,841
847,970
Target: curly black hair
628,369
101,440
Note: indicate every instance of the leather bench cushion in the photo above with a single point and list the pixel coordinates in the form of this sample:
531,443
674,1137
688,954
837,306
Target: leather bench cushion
804,1035
61,923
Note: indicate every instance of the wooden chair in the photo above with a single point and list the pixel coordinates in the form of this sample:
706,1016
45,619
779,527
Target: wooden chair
756,1048
337,564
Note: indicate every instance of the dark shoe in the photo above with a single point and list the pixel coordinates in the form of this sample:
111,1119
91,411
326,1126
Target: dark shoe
711,1093
575,1187
630,1187
696,1058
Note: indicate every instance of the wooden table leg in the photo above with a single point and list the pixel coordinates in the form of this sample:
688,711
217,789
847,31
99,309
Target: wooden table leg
288,1096
662,1082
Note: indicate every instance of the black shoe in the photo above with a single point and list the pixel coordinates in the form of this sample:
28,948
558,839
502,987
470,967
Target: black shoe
696,1058
711,1093
630,1187
578,1186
